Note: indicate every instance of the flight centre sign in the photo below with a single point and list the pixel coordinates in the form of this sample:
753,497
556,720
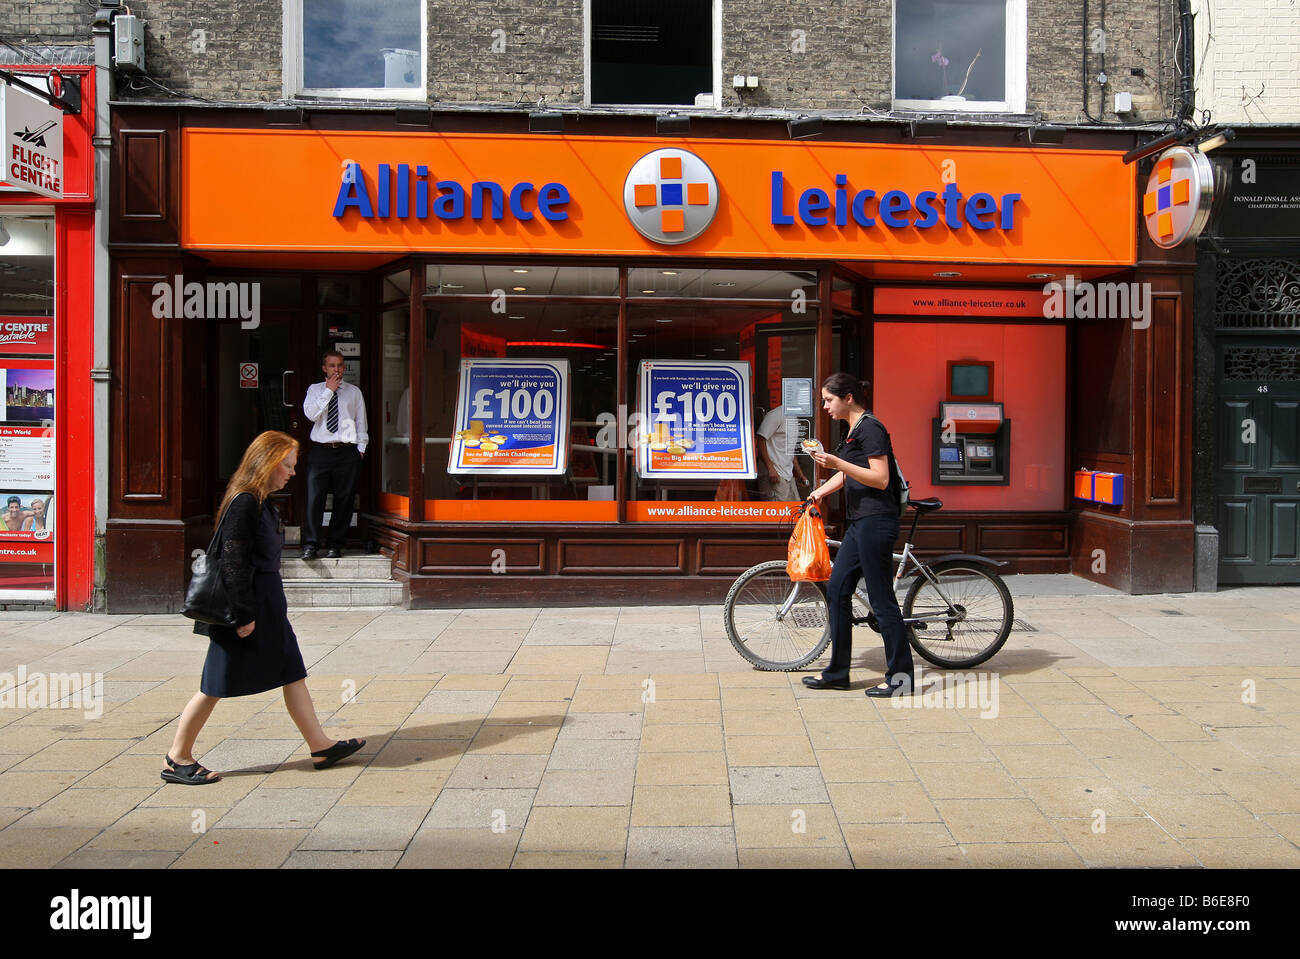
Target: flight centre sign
32,142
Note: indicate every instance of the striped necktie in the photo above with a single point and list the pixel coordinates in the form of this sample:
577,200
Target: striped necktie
332,414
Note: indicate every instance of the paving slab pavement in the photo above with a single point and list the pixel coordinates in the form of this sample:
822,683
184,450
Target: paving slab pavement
1111,730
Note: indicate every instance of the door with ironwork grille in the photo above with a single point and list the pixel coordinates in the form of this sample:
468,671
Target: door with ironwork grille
1258,474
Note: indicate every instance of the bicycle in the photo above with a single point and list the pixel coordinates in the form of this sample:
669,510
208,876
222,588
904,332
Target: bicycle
957,609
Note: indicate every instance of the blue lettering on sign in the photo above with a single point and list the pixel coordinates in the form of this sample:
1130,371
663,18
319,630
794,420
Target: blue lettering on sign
388,194
895,209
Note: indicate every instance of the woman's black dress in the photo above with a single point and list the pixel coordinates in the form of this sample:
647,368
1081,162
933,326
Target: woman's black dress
251,540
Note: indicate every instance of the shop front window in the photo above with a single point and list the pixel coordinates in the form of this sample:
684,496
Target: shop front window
960,55
27,423
352,48
498,337
509,415
680,366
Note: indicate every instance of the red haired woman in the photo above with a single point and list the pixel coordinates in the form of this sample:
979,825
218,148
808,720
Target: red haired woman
262,652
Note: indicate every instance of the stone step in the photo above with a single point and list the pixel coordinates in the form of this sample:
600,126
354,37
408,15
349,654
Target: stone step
359,566
306,593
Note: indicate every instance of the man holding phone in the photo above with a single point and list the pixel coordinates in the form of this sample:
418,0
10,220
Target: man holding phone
339,441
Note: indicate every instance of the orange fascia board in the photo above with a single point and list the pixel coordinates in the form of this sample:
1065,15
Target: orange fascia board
276,190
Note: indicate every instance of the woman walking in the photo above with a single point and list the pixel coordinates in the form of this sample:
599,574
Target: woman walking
262,652
864,471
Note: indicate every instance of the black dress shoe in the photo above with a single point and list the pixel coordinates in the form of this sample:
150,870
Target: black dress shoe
899,686
332,553
309,552
816,682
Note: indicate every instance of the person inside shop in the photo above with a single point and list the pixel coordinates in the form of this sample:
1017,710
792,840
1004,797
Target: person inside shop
14,518
781,467
36,519
261,653
339,440
864,470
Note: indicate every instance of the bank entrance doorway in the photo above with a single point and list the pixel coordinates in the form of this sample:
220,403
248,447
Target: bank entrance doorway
262,373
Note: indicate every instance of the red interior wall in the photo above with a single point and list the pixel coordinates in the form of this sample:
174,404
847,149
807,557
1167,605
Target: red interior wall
1028,379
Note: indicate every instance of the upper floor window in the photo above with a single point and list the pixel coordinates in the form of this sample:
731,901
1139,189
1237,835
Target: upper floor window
661,52
960,55
355,48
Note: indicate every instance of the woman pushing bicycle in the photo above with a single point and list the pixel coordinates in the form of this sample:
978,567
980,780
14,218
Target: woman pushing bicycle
865,471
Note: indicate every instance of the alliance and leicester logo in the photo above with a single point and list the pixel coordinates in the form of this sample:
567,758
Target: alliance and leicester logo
670,196
1178,197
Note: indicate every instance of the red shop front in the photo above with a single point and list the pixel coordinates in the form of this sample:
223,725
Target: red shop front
47,296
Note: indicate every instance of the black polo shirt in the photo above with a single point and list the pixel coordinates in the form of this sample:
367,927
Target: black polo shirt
867,439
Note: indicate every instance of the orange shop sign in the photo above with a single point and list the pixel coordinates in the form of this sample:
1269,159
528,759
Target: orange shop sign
500,194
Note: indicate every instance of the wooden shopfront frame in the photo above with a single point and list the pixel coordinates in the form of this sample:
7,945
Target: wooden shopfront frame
283,215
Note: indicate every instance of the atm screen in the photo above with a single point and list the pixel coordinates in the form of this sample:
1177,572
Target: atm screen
970,379
949,456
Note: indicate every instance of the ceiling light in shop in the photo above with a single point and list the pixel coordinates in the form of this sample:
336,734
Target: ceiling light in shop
724,284
557,343
647,291
518,271
1041,276
452,286
663,319
668,272
947,274
519,289
560,331
516,317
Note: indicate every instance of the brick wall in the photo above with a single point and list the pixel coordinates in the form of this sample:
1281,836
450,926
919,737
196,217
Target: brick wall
46,21
818,55
1248,60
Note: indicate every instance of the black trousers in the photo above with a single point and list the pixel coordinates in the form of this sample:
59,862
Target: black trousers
866,553
331,469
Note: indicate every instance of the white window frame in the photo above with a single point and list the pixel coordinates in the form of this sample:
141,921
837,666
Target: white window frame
293,64
717,65
1017,56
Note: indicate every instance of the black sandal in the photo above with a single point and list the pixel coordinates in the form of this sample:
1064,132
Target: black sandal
192,774
339,751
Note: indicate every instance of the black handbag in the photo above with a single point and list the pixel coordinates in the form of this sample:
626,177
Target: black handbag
206,599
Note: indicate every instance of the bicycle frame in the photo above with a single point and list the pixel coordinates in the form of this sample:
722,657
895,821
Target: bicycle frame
906,557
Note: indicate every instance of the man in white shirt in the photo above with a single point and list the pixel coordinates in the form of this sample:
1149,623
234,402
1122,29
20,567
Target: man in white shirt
776,482
339,440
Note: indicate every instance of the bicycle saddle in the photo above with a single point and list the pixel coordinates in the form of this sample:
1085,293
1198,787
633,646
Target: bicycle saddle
924,505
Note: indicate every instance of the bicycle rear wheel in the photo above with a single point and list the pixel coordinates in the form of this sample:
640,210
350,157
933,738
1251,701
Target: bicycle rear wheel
774,623
972,629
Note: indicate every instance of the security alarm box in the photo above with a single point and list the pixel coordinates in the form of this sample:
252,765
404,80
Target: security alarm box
971,445
128,43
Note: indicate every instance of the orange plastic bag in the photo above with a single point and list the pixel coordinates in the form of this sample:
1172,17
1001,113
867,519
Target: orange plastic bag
809,559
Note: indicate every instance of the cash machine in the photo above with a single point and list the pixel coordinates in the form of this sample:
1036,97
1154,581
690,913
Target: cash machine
972,435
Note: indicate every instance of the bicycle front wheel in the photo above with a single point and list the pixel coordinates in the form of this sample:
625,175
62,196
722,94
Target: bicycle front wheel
774,623
960,620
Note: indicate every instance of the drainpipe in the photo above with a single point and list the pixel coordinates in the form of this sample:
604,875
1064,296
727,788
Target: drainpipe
102,32
1186,95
